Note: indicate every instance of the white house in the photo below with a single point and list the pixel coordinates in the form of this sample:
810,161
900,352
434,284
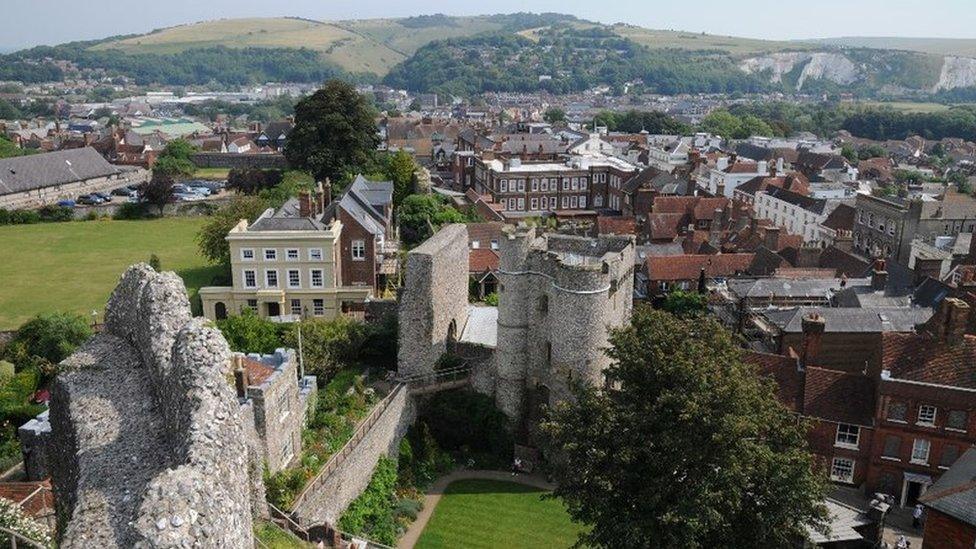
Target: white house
795,213
730,173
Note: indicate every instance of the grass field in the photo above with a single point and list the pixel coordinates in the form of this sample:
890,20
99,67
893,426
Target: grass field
490,514
656,39
908,106
211,173
74,266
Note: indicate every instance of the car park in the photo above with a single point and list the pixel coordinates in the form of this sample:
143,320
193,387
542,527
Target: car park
89,200
104,196
66,203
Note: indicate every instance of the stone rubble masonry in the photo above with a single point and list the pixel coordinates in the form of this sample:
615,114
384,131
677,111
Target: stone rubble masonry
148,446
434,298
558,297
329,500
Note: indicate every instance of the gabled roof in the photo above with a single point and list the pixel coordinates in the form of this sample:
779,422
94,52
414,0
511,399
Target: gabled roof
688,267
481,260
954,494
815,205
784,371
36,171
617,225
845,263
664,225
922,357
842,218
850,320
838,396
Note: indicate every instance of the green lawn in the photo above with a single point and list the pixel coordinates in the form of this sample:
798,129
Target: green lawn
74,266
211,173
488,513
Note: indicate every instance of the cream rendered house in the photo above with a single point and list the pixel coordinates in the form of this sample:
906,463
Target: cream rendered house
285,265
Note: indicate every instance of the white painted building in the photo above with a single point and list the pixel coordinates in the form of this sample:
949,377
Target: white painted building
795,213
727,174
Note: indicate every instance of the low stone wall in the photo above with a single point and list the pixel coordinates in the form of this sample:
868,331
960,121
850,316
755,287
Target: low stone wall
332,494
148,448
43,196
233,160
173,209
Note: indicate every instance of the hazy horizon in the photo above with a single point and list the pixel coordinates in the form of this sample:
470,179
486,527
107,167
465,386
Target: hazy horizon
50,22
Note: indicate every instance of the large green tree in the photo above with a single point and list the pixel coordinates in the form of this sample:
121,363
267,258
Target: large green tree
400,168
175,160
334,133
51,336
213,234
685,447
420,215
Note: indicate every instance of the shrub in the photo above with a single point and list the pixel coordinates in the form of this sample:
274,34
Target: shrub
13,518
491,299
51,336
466,421
249,333
328,345
155,263
282,487
56,213
130,210
372,513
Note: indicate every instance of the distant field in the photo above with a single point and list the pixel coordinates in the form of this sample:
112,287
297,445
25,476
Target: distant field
211,173
489,514
962,47
908,106
660,39
74,266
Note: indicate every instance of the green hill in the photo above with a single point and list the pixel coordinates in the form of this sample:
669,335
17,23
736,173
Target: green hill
961,47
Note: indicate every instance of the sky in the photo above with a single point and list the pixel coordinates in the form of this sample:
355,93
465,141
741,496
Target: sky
34,22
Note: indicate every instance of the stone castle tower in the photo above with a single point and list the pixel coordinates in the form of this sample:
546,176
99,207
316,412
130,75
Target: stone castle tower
558,296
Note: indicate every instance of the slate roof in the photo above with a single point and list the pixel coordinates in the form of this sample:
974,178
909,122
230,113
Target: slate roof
954,494
850,320
287,218
845,263
784,287
922,357
842,218
36,171
815,205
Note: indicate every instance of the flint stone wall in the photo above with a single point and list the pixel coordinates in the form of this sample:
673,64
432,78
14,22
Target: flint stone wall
148,447
435,295
328,500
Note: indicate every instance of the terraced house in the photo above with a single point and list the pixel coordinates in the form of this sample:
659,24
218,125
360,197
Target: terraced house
312,257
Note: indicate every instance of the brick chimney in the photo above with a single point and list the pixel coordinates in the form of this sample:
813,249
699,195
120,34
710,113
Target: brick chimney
950,322
319,198
305,204
813,326
771,239
879,276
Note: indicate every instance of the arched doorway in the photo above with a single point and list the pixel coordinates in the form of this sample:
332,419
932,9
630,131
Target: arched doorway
452,337
220,310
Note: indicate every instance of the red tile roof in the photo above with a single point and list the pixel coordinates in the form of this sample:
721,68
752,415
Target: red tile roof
782,370
616,225
664,225
742,167
257,372
688,267
922,357
482,260
838,396
18,492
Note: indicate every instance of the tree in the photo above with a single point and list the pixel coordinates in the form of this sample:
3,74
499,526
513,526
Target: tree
684,447
554,114
249,333
252,180
158,191
212,236
175,160
51,336
334,132
400,169
850,153
329,345
721,122
422,214
871,151
682,303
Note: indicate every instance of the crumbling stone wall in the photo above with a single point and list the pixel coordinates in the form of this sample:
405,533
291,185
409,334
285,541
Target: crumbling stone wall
434,301
329,499
148,447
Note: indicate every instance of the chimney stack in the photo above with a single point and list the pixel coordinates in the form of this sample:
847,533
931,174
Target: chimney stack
771,239
879,276
305,204
813,326
319,198
950,322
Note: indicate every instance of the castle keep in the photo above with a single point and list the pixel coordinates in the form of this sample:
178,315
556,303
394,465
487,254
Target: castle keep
558,296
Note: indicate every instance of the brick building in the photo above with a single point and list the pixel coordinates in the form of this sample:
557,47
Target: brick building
950,503
894,422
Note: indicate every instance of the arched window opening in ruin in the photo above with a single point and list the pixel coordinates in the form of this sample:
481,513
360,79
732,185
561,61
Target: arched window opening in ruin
220,310
452,337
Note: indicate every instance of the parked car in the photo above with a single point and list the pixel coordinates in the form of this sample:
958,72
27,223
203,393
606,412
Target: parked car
89,200
66,203
187,196
214,186
104,196
199,189
123,191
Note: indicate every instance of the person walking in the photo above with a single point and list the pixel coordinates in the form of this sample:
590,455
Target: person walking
917,517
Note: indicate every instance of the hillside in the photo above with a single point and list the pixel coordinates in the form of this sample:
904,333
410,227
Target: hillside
367,45
515,52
